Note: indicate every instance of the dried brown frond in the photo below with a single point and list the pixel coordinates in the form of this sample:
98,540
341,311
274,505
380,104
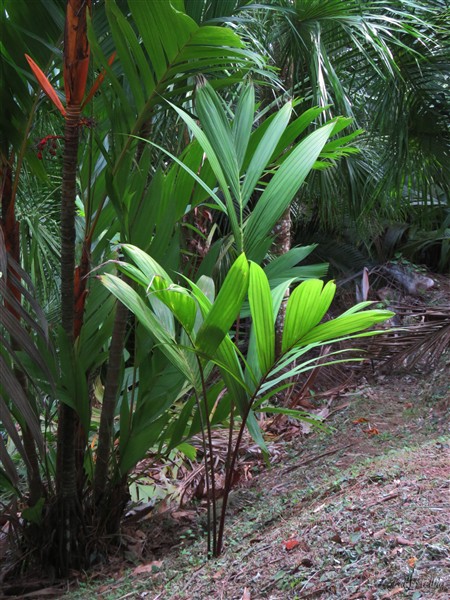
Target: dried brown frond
417,345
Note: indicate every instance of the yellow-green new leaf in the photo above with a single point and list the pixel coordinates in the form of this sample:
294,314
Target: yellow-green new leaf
306,307
225,309
137,306
243,121
345,325
283,186
146,263
261,309
178,300
213,118
261,155
216,166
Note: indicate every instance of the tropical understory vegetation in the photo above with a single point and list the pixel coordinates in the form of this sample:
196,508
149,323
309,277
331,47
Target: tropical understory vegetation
175,178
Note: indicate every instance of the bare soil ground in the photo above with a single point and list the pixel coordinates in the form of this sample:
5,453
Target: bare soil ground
361,513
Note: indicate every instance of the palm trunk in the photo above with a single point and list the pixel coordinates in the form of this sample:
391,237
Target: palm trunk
76,61
109,402
68,512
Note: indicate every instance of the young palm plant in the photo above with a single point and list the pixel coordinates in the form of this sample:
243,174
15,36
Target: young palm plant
193,328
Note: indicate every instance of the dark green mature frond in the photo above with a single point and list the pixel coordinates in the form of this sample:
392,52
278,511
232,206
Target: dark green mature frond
38,215
386,64
325,47
203,11
36,32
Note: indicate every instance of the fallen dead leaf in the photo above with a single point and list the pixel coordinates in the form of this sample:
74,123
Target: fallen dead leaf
379,533
338,408
357,596
246,595
383,499
305,427
188,515
371,431
305,403
403,542
392,593
218,574
304,546
291,544
151,567
323,413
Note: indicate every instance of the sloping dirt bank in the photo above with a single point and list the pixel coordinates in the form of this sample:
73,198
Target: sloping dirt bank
361,513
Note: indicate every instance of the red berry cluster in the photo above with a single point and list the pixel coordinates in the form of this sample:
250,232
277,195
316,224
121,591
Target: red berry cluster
48,143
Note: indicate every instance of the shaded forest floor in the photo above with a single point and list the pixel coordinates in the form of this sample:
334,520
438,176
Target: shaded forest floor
358,513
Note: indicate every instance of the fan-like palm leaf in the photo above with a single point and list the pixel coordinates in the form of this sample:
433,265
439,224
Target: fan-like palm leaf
386,64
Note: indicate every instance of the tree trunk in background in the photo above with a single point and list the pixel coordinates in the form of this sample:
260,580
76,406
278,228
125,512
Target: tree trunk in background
105,438
281,245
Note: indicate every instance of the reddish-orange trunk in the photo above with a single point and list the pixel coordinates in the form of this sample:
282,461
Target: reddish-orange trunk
9,225
76,51
68,507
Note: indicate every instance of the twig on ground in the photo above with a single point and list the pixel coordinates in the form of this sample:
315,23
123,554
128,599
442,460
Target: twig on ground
307,581
384,499
126,595
311,459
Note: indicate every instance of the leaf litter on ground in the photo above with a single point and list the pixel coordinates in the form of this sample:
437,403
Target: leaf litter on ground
343,515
